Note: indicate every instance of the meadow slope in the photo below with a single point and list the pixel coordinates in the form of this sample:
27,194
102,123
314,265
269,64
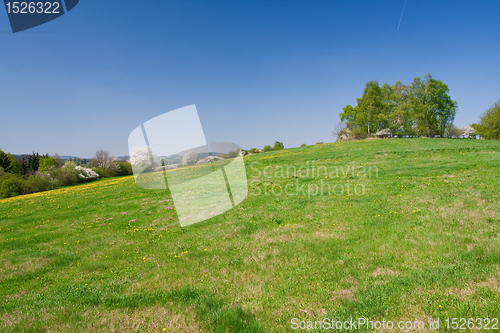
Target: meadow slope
418,237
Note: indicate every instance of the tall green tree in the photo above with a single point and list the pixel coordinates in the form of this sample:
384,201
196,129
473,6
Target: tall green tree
4,161
34,161
400,119
432,107
13,165
46,162
23,166
369,111
489,122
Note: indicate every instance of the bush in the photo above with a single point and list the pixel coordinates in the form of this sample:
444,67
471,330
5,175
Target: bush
86,174
11,185
384,133
37,184
319,143
102,172
267,148
357,134
253,151
452,131
278,145
303,145
2,171
67,175
124,169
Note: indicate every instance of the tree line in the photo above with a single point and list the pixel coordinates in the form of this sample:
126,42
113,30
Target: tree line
23,174
421,108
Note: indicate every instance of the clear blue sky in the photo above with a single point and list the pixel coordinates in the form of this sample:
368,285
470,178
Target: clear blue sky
258,71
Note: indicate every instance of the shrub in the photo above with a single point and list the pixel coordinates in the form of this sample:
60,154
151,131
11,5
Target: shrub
452,131
253,151
2,171
86,174
103,159
102,172
319,143
38,184
67,175
357,134
303,145
124,169
384,133
278,145
11,185
46,162
267,148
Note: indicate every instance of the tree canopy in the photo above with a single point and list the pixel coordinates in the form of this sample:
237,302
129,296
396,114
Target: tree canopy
489,122
423,107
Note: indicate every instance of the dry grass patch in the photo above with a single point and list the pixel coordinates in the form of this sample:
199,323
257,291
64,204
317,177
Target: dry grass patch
150,319
344,294
383,272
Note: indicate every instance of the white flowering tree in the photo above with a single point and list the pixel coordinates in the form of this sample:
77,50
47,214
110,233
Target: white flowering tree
142,157
86,173
466,131
189,158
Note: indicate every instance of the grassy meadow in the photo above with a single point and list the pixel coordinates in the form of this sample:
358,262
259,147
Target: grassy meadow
416,238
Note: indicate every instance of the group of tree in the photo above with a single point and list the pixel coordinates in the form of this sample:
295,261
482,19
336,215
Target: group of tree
23,165
277,146
489,122
25,174
422,108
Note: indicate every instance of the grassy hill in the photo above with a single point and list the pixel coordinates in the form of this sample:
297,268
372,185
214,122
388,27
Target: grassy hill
418,237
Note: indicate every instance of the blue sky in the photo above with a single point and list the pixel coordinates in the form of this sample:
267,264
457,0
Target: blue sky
258,71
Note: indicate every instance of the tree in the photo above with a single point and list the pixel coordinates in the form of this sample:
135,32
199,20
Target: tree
452,131
267,148
23,166
143,157
59,160
444,107
421,108
431,105
489,122
369,112
278,145
34,161
4,161
103,159
47,162
400,120
189,158
339,130
13,165
467,131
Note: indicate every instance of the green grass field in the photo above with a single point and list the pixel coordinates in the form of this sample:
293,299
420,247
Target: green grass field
416,239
